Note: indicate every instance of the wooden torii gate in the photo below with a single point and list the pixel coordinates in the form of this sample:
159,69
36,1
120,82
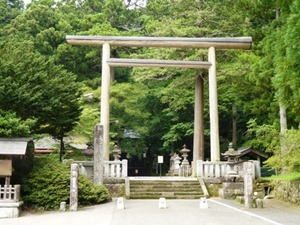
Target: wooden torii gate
166,42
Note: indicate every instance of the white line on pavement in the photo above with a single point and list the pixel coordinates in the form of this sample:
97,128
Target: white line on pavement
245,212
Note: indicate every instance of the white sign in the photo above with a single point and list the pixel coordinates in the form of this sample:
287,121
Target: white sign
120,203
203,203
162,203
160,159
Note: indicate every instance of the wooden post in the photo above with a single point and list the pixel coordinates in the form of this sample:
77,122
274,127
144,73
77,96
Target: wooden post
74,187
213,107
105,89
7,181
17,193
98,155
198,146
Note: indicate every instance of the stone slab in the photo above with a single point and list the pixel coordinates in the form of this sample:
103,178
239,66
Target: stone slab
10,209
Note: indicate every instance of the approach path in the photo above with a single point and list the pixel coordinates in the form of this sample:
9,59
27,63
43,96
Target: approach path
178,212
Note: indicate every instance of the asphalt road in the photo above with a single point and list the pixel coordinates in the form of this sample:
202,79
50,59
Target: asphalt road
178,212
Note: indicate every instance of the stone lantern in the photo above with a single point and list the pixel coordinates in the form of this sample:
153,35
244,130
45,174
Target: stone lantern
185,152
232,157
117,152
89,151
177,162
185,165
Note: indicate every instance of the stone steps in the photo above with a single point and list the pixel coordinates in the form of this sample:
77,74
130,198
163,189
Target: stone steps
170,189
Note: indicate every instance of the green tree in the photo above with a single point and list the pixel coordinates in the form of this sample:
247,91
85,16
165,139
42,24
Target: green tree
286,155
37,89
9,10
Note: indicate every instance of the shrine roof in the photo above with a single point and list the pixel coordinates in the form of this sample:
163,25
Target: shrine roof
250,150
13,146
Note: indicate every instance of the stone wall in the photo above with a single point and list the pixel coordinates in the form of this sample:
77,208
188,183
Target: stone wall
288,191
116,187
230,190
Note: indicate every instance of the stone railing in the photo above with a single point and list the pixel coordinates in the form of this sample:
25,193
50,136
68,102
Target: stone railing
115,169
207,169
111,169
10,193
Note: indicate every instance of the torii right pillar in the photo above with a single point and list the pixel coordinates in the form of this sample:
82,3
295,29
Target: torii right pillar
213,107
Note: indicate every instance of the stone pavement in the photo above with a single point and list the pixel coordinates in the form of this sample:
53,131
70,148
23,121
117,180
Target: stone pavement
178,212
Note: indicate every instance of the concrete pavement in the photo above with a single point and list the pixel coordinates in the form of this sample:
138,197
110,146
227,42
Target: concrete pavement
178,212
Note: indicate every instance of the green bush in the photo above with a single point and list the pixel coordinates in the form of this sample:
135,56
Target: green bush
49,184
88,193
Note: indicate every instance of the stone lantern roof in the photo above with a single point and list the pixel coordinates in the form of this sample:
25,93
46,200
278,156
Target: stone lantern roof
231,152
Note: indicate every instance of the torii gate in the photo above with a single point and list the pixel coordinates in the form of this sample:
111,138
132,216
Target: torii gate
166,42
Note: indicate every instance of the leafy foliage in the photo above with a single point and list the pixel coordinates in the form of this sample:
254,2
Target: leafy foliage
264,136
13,126
49,184
287,154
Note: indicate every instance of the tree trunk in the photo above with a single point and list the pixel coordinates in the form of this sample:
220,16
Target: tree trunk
234,125
283,120
62,148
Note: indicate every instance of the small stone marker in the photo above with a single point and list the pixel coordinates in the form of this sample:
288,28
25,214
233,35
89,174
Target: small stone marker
162,203
120,203
203,203
259,203
62,207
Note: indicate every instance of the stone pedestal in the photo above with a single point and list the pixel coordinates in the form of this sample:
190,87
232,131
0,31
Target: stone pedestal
230,190
10,210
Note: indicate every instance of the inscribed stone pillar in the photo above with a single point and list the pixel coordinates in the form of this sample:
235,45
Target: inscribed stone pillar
74,187
98,155
213,107
105,89
198,147
248,184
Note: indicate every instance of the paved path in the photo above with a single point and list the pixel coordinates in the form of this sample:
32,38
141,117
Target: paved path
178,212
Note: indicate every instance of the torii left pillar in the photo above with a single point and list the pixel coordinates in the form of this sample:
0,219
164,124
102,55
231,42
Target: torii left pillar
105,90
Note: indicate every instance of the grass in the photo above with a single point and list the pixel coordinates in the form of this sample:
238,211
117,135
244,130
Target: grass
294,176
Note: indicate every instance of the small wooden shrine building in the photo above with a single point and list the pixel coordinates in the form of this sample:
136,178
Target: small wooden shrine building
14,153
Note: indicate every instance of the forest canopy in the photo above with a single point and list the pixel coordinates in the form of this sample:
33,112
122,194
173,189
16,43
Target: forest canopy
44,80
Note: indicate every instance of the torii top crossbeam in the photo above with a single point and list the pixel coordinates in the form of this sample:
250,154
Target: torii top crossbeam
164,42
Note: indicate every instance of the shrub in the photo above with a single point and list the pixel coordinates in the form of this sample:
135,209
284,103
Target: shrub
49,184
88,193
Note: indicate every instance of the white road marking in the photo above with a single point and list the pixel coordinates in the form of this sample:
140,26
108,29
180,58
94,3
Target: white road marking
245,212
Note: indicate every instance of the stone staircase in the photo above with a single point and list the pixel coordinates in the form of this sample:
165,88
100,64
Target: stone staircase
169,188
